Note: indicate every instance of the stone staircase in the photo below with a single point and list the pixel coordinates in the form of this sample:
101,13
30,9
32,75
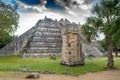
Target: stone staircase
91,50
15,46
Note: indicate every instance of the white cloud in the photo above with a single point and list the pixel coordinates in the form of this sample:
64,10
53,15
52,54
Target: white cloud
85,7
79,1
26,21
35,8
29,19
101,36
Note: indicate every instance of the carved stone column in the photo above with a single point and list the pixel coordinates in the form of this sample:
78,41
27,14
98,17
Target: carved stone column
71,48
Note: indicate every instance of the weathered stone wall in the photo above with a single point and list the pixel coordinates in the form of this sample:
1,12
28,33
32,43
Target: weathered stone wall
71,46
71,49
46,40
15,46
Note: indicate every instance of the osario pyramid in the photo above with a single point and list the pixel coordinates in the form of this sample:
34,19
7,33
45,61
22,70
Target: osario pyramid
44,39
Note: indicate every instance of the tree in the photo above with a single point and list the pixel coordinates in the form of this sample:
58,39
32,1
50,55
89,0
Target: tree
116,45
8,19
105,19
7,38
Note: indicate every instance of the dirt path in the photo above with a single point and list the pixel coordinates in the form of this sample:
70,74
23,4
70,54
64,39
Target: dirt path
103,75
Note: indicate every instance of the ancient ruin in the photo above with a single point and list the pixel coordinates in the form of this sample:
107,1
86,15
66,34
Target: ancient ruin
45,38
71,46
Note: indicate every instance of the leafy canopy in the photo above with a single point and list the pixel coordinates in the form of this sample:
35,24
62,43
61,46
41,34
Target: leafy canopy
105,19
8,23
8,19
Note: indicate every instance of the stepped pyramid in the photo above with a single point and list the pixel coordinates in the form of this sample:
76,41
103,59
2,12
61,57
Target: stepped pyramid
46,39
43,39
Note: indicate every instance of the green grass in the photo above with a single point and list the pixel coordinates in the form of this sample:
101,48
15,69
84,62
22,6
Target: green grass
13,63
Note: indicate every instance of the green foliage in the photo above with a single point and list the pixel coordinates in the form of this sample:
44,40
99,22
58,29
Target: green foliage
105,19
13,63
6,39
8,19
116,32
102,43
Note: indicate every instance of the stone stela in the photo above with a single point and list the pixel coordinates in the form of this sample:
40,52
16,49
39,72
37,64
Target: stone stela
71,46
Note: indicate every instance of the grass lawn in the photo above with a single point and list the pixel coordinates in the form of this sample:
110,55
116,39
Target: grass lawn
13,63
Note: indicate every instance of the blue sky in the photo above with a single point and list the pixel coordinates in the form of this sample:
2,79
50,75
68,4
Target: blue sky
31,2
31,11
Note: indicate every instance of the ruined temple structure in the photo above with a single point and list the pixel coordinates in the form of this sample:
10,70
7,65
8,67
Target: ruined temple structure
45,38
71,46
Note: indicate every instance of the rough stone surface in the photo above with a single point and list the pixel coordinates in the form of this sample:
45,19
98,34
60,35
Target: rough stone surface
34,75
71,47
48,72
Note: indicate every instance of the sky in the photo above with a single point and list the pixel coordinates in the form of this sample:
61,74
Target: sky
31,11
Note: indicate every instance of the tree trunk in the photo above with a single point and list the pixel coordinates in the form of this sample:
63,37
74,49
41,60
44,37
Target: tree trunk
110,64
116,52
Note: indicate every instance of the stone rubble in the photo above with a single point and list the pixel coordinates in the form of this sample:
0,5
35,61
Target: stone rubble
33,75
